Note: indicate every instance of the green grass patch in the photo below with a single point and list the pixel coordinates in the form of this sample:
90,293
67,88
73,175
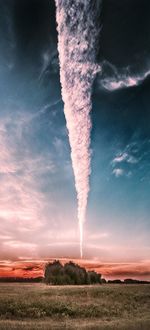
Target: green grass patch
110,304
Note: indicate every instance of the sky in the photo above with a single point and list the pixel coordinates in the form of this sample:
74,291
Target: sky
38,204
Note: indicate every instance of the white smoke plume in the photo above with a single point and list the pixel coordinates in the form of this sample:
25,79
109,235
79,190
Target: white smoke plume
78,29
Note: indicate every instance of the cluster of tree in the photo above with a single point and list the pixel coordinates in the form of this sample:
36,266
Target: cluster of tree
133,281
70,273
127,281
21,279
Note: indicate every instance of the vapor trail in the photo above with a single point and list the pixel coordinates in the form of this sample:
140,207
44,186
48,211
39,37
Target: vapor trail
78,28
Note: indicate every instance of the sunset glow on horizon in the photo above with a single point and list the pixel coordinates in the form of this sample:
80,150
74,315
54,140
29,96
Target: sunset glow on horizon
35,268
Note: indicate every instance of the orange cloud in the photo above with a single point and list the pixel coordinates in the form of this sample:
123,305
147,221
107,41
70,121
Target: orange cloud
35,268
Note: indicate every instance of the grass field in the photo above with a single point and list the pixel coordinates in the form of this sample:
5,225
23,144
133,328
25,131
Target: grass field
36,306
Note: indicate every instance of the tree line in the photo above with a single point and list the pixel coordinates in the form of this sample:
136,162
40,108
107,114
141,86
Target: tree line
69,274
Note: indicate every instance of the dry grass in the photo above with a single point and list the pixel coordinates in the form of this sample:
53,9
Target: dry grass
36,306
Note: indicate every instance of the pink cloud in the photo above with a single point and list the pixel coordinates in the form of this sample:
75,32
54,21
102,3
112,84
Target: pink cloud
122,79
35,267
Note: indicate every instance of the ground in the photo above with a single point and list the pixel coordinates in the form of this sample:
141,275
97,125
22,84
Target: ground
37,306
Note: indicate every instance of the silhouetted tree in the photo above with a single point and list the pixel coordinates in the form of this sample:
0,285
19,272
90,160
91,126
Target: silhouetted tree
115,281
94,278
54,273
77,274
103,281
71,273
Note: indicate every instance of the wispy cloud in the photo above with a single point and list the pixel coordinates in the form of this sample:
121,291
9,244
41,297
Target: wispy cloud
118,79
20,244
23,204
98,236
125,157
118,172
120,158
109,270
49,63
126,162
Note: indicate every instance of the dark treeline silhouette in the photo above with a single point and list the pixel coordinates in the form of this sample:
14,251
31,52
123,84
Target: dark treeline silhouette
42,279
127,281
69,274
57,274
21,279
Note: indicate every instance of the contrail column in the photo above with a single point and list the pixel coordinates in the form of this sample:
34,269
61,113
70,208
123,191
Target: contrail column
78,28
